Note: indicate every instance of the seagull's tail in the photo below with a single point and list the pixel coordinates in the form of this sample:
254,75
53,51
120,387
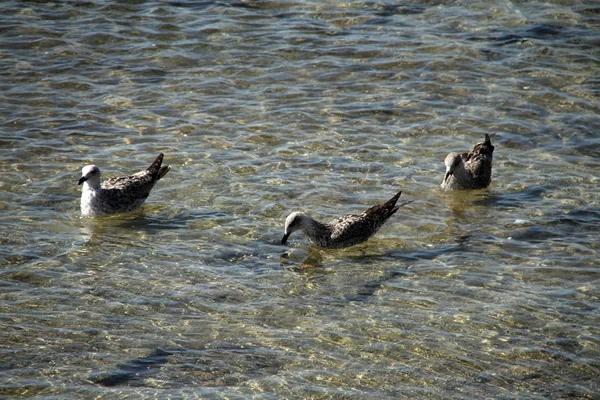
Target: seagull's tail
156,169
391,203
401,205
163,171
388,208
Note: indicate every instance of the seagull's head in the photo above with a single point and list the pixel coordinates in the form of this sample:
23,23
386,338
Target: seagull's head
452,161
90,174
293,223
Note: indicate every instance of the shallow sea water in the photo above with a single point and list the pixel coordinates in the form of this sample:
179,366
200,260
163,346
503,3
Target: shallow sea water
262,108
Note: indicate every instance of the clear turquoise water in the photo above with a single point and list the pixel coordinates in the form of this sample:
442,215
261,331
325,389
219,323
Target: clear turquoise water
262,108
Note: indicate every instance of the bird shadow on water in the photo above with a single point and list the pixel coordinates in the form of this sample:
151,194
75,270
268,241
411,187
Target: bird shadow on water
483,202
163,221
313,264
216,364
369,288
316,255
135,369
96,229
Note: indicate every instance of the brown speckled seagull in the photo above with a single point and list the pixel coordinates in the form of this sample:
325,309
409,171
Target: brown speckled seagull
118,194
345,231
469,170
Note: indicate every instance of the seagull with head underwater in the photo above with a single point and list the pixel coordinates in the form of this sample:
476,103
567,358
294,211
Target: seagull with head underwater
469,170
118,194
345,231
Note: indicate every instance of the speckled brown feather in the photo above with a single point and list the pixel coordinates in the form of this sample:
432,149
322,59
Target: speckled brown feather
345,231
471,170
479,161
123,193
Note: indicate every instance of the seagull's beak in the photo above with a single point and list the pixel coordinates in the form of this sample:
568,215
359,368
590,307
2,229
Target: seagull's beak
285,238
82,179
448,175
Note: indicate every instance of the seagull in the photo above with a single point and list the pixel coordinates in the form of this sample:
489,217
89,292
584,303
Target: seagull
469,170
345,231
118,194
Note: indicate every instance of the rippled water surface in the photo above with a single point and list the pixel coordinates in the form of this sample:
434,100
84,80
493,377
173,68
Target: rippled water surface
262,108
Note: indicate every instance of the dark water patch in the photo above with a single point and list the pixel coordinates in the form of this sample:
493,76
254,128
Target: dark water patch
509,39
370,288
514,140
136,369
149,75
30,277
164,221
10,257
128,7
248,5
588,219
192,4
431,254
378,21
223,364
586,147
590,9
539,32
545,31
592,84
537,234
388,10
103,38
513,200
573,226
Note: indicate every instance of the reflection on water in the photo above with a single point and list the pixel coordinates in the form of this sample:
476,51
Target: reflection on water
262,108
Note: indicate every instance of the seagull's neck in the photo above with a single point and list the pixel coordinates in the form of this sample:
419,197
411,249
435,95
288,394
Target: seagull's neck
92,186
460,172
314,229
